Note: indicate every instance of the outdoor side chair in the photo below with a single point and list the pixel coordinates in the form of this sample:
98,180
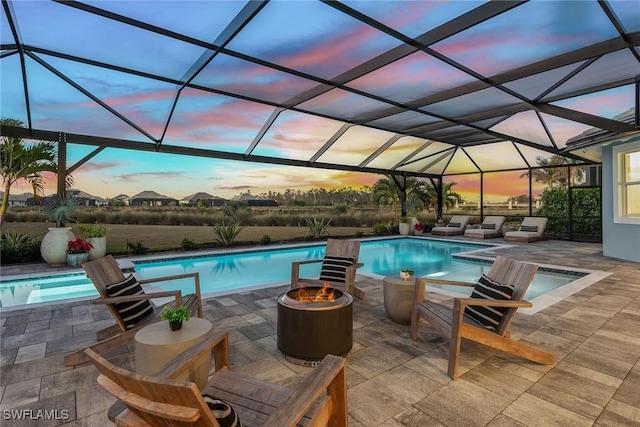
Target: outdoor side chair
129,305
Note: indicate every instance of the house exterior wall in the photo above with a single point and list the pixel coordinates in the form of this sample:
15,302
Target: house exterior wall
618,240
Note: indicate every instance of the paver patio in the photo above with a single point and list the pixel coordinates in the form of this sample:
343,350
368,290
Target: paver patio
392,380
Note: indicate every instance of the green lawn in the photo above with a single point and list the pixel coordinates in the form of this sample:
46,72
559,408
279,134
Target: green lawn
169,237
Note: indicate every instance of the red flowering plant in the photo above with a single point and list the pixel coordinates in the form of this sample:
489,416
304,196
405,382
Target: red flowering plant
78,246
419,227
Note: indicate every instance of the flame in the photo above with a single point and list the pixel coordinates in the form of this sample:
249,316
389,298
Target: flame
324,294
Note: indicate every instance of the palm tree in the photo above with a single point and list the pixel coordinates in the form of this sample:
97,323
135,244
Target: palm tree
19,160
449,197
548,174
385,192
429,195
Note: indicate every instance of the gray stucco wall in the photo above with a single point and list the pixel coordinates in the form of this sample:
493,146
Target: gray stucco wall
618,240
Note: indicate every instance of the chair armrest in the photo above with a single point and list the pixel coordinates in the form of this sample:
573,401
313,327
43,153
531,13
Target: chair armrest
295,270
462,302
213,340
196,278
426,280
116,300
166,278
419,291
327,374
309,261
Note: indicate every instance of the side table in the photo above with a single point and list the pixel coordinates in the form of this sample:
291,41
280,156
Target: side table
156,345
398,298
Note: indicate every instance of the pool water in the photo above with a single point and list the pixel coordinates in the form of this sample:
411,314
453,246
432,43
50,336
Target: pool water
229,273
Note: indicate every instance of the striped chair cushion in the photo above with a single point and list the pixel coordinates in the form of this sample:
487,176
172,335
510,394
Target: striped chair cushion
334,268
131,312
454,224
488,226
486,288
529,228
222,411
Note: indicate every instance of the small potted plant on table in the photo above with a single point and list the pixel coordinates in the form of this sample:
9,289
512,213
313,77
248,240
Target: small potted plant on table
406,273
175,316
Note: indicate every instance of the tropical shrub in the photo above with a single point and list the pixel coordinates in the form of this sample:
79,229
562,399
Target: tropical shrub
136,248
19,247
227,233
317,226
237,211
265,240
586,211
87,231
188,244
380,229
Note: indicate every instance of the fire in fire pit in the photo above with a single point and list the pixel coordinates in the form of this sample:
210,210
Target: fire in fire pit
314,322
324,294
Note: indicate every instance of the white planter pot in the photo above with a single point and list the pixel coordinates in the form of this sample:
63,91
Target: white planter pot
414,221
404,228
99,247
54,245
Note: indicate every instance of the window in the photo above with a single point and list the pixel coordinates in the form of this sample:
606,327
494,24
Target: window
627,172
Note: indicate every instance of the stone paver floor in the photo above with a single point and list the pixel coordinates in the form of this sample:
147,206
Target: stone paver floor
392,380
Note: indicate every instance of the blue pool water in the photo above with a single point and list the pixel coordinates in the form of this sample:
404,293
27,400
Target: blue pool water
221,274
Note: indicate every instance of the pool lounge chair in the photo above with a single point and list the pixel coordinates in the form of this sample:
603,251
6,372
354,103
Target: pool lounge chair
159,400
107,277
530,230
456,226
489,228
485,317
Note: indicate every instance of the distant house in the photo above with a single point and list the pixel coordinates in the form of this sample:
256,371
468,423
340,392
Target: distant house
196,197
24,199
81,198
151,198
252,200
120,198
85,199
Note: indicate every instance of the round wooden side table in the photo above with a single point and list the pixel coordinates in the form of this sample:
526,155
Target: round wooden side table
156,345
398,298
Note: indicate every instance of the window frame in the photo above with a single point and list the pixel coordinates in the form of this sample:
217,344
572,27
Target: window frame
621,184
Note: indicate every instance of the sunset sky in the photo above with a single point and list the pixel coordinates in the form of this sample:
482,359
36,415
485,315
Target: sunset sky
311,38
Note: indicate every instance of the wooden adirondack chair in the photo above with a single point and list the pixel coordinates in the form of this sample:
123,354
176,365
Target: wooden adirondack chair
453,322
105,271
335,248
320,399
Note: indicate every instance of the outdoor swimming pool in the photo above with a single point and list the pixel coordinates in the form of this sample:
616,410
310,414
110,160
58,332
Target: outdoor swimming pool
233,272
